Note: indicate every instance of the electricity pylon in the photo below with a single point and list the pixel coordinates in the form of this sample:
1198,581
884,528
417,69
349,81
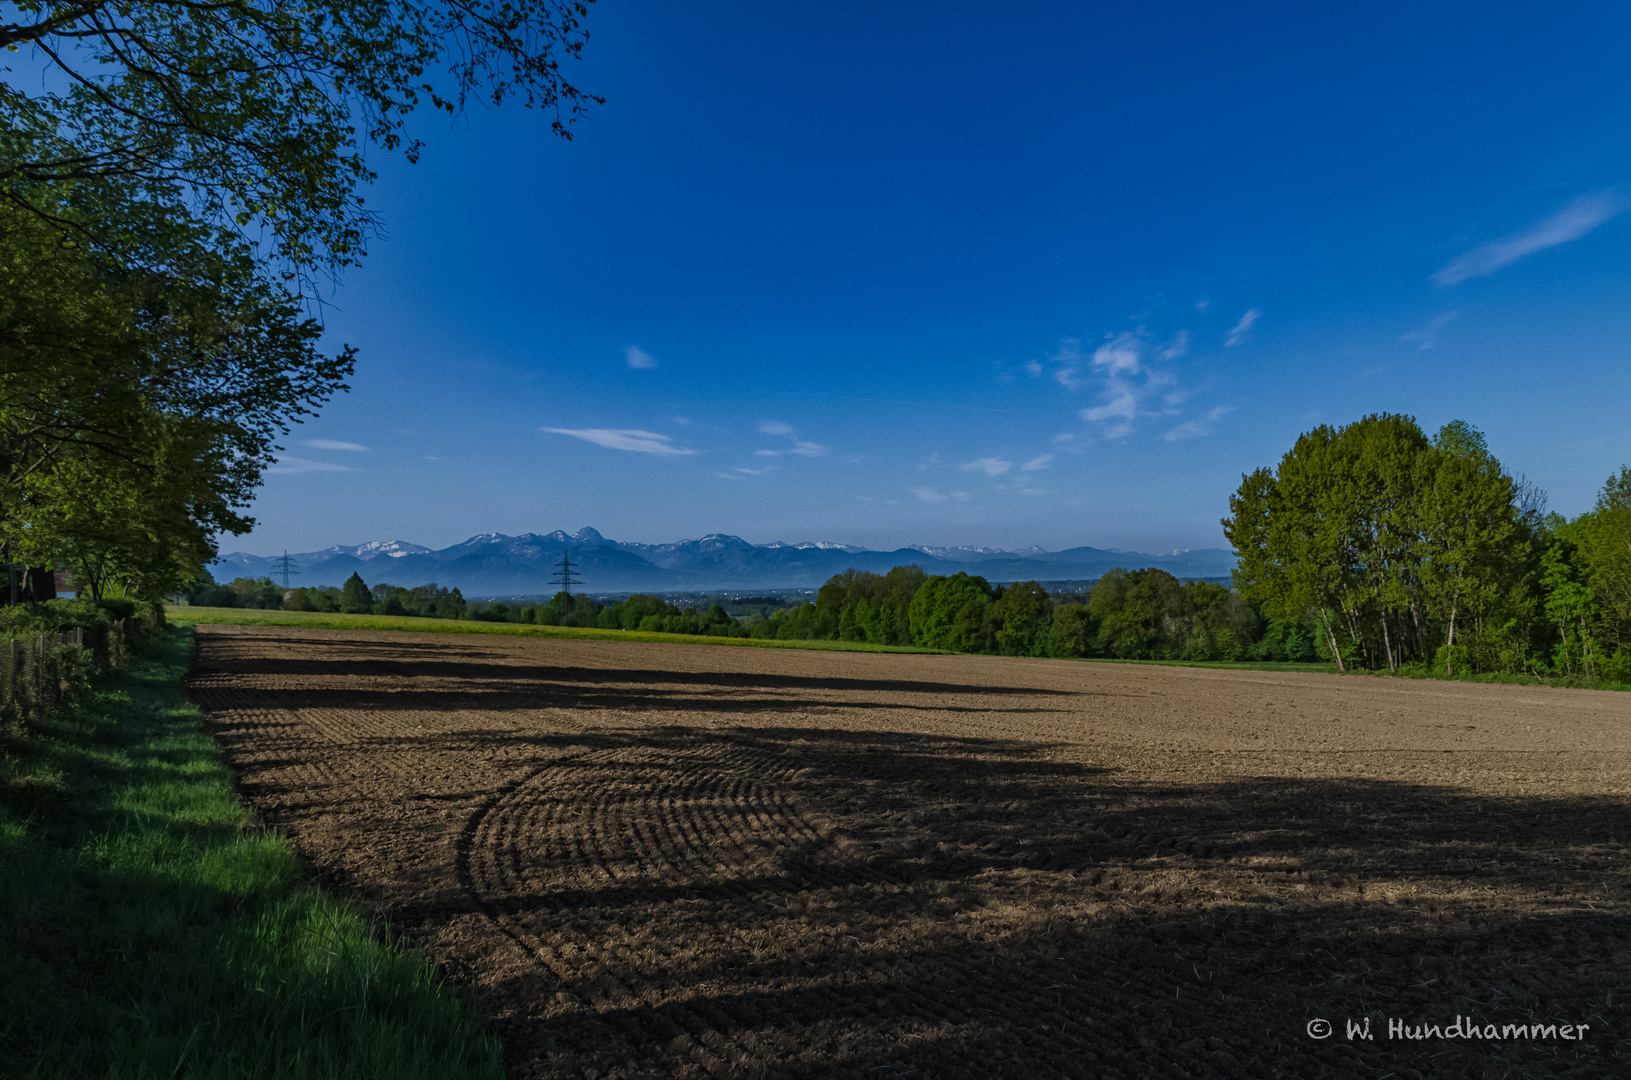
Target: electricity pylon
566,577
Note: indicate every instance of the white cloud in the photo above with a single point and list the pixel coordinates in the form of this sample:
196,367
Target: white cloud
682,420
989,465
1037,463
429,457
928,495
301,465
1570,223
1069,361
1194,429
1241,328
800,446
1126,383
640,359
1033,368
641,442
1121,355
1178,346
334,444
1428,335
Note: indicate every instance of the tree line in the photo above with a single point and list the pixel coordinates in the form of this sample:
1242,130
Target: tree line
355,597
1144,614
1417,553
1371,546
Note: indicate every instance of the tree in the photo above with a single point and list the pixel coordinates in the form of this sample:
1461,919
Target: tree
138,407
355,597
1467,524
1022,613
1605,542
1388,540
950,612
165,195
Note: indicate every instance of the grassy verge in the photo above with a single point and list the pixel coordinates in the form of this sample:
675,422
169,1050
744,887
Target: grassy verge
148,929
251,617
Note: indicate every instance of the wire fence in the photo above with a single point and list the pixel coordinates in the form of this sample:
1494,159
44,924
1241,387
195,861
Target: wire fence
40,672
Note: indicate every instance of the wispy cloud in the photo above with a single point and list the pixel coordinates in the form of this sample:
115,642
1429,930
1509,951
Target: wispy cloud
334,444
639,359
301,465
1037,463
641,442
989,465
1126,383
1070,364
1178,346
1570,223
1428,335
1238,333
740,473
801,447
1194,429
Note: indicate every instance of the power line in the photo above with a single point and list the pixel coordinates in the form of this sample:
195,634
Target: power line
566,577
287,566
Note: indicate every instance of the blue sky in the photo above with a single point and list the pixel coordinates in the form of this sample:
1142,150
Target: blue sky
1044,273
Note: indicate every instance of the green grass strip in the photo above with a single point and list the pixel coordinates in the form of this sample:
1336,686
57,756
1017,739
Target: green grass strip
252,617
148,928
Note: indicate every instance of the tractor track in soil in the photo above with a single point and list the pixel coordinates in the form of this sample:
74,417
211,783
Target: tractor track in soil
680,861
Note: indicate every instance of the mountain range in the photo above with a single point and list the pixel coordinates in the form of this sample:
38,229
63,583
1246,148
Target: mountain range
493,564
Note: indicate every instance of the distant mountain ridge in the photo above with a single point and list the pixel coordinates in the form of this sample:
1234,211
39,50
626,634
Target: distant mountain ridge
494,564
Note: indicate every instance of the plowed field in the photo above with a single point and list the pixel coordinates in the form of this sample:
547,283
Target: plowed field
666,860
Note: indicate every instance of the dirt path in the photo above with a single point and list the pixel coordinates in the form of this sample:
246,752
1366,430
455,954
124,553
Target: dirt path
658,860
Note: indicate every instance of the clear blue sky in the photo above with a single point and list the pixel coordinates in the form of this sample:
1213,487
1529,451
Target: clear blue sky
958,274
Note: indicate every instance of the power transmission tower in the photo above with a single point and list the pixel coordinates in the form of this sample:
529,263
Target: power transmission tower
288,567
566,577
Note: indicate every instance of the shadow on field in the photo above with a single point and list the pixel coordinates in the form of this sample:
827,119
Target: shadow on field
981,911
352,659
793,900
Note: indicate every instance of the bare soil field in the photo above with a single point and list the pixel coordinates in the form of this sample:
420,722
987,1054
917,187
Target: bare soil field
659,860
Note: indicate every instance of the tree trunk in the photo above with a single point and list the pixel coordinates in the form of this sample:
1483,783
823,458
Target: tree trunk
1449,649
1332,637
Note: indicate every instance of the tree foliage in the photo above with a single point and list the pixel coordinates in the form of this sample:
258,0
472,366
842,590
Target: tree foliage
1408,551
258,112
174,174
